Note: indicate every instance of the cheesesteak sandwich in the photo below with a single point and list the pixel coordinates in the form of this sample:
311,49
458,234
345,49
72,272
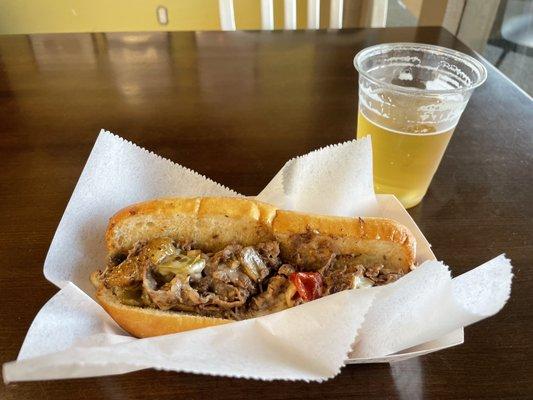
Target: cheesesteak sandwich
184,263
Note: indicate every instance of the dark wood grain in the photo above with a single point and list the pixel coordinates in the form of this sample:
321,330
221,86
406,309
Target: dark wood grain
235,107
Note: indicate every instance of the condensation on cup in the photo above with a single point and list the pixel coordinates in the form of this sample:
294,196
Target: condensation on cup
411,97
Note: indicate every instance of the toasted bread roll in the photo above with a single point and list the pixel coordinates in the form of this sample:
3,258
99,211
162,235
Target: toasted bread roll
211,224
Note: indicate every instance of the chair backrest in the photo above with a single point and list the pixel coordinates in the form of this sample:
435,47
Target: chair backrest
227,14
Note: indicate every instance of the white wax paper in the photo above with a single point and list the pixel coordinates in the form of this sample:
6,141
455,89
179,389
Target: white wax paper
73,337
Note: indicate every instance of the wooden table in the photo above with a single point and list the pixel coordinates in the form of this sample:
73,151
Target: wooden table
235,107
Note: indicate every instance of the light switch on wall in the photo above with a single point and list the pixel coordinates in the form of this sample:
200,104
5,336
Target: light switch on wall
162,15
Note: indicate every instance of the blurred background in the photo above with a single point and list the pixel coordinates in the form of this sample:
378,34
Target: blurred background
500,30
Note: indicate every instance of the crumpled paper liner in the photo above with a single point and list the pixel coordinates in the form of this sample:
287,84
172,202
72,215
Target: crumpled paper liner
276,346
433,304
73,337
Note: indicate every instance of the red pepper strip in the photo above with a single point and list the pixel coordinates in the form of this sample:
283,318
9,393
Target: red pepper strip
308,284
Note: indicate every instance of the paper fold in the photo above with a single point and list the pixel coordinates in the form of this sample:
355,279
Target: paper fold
334,180
433,305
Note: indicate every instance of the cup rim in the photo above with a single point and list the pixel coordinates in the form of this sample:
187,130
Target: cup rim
421,46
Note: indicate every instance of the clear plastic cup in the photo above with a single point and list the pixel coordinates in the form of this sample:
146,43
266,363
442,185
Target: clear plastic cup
411,97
